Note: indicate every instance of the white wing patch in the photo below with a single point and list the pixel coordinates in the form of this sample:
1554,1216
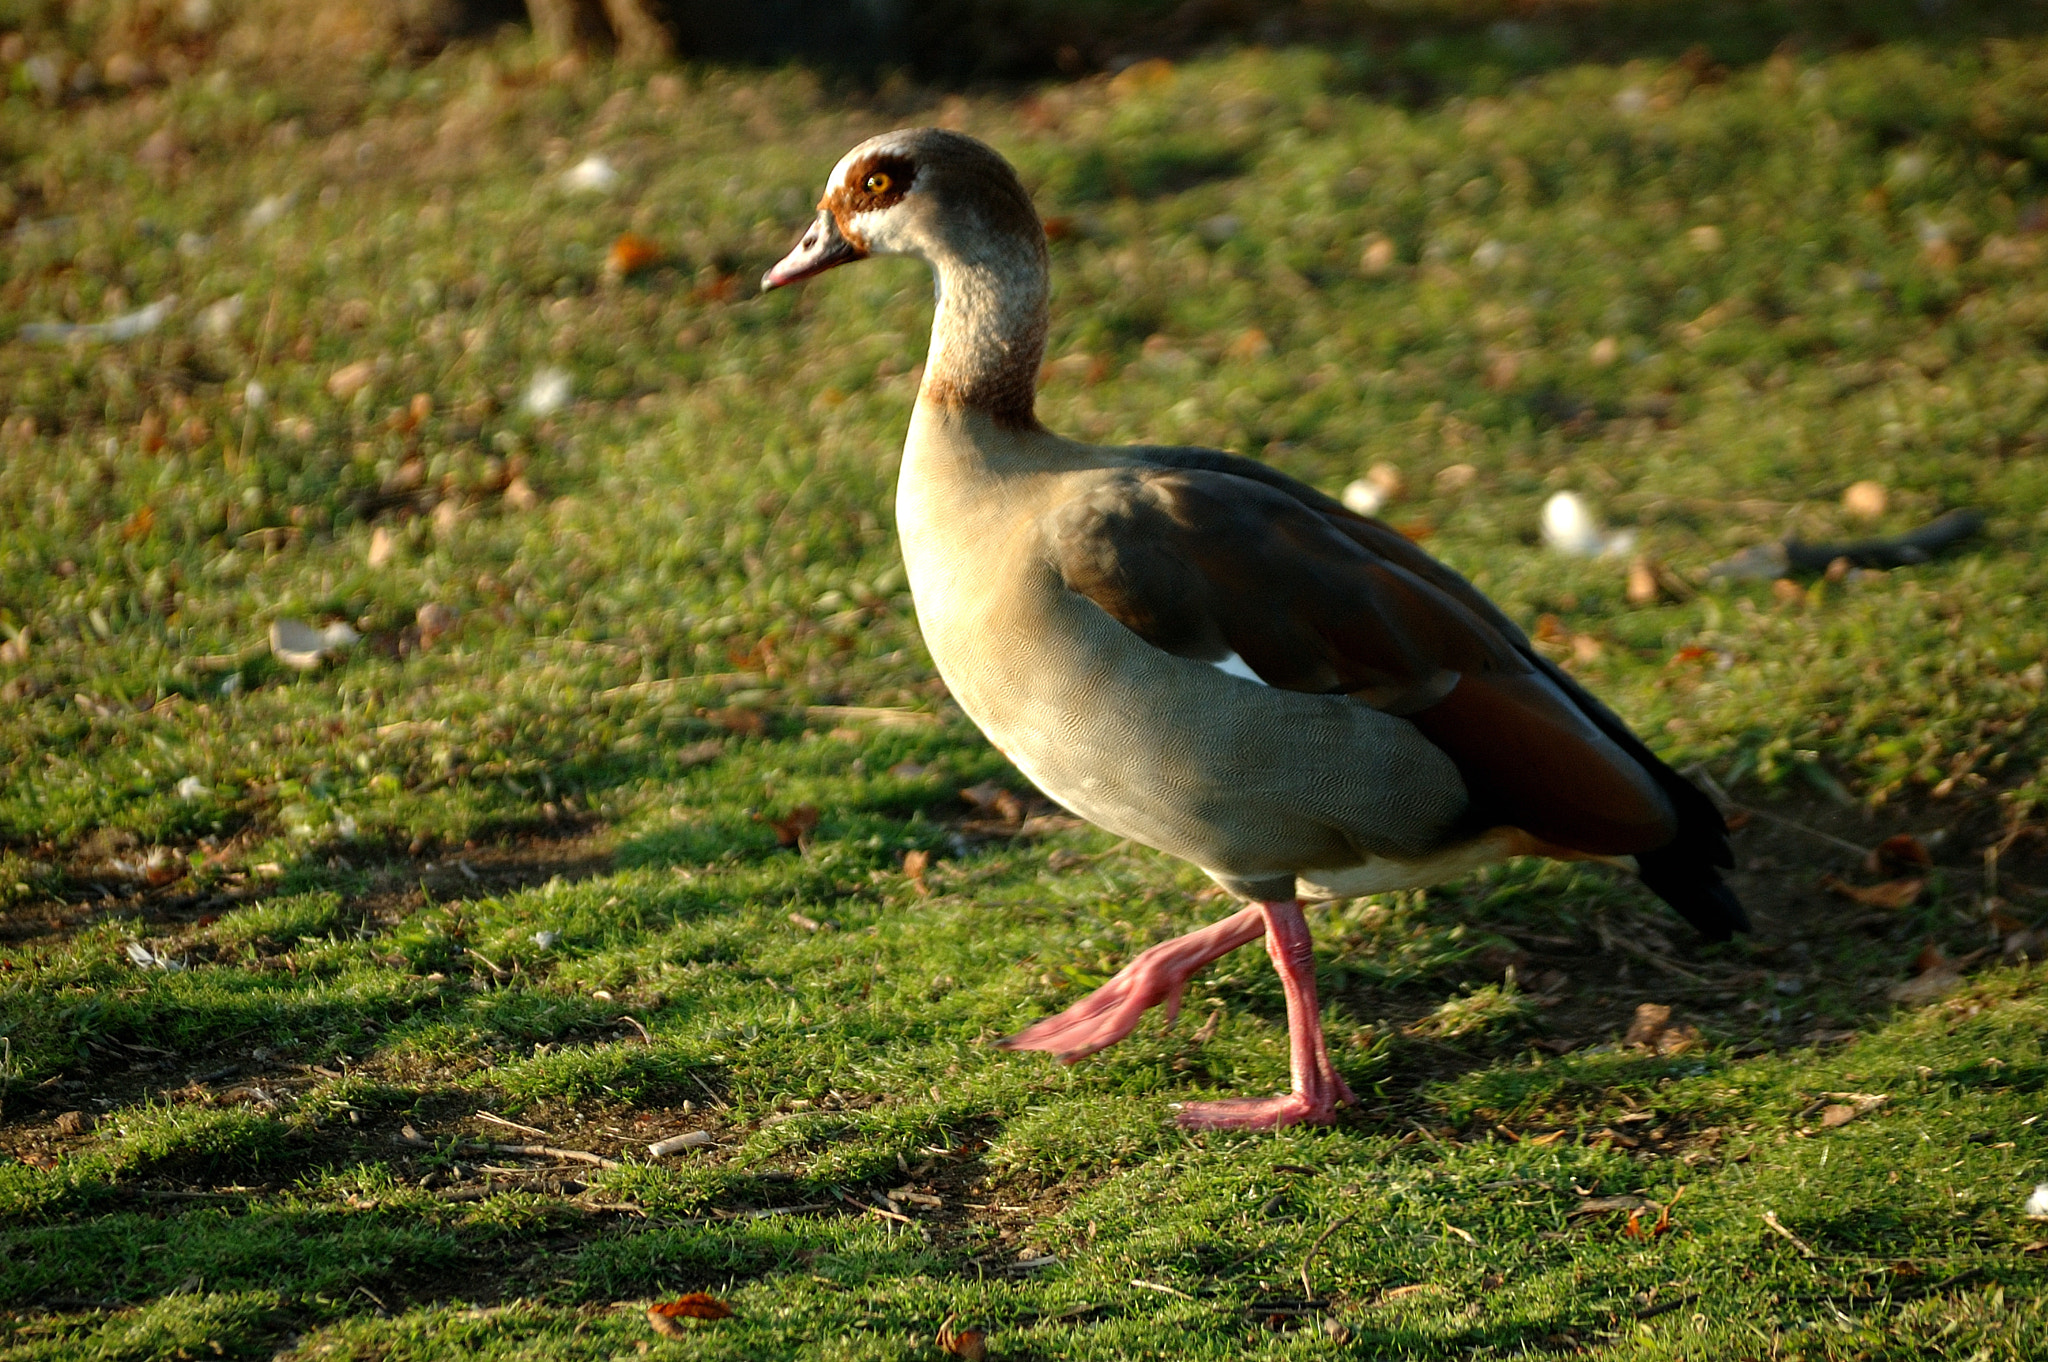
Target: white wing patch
1233,665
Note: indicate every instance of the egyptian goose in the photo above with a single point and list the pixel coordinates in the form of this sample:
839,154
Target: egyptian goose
1201,654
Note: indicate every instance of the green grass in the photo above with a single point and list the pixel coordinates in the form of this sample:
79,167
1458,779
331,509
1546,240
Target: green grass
685,621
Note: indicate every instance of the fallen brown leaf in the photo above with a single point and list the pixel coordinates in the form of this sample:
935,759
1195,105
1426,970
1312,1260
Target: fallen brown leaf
1890,894
993,801
1651,1029
1636,1229
666,1316
1934,976
793,830
434,619
630,254
915,863
721,288
1847,1106
1607,1205
971,1344
1642,583
697,753
1413,1289
520,494
1905,852
351,379
748,723
1650,1021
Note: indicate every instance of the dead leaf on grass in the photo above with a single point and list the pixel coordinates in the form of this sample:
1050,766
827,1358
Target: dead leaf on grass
1894,855
1606,1205
434,620
1892,894
1636,1229
345,382
794,828
697,753
630,254
1934,976
1412,1289
1651,1029
520,495
969,1343
993,801
915,863
667,1316
1847,1106
749,723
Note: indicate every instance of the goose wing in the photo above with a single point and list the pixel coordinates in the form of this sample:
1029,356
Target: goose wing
1210,556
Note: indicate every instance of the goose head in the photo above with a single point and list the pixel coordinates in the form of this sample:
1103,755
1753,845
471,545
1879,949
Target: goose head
954,203
939,196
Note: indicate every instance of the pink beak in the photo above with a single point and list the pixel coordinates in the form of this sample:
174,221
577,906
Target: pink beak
822,247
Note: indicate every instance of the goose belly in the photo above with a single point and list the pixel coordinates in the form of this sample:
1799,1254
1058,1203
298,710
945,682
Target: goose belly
1245,781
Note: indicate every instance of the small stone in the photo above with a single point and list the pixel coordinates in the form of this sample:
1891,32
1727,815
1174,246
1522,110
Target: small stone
74,1122
344,383
1866,500
434,619
1456,478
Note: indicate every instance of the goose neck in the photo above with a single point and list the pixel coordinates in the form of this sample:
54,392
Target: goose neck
988,334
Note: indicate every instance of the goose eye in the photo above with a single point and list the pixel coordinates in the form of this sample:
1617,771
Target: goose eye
877,182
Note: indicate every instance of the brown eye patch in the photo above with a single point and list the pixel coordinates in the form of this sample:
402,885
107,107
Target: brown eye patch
876,182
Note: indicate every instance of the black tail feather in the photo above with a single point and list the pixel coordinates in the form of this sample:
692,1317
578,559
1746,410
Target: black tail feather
1683,872
1695,889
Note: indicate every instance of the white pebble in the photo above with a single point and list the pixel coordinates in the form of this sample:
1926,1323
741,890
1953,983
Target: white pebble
548,392
1571,527
2037,1204
1363,497
592,175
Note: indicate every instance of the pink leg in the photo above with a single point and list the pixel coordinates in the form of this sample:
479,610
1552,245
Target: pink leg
1317,1088
1155,975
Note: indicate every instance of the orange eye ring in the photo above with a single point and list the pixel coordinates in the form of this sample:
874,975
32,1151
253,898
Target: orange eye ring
877,182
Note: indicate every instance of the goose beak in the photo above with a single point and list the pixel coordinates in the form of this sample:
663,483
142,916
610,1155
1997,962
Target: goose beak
822,247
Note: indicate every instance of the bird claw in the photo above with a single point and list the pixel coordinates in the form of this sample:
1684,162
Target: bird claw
1260,1113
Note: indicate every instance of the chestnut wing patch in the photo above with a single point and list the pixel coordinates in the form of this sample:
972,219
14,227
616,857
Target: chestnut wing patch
1203,563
